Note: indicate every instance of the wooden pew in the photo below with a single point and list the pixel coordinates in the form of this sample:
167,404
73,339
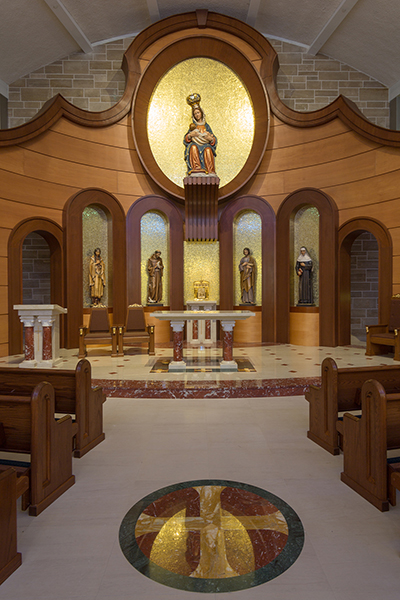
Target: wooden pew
340,391
29,427
74,395
366,441
11,488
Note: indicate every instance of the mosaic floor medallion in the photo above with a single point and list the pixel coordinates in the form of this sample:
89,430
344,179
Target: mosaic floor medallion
211,536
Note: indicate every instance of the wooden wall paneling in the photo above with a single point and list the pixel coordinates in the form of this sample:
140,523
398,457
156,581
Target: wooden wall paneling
285,135
328,226
72,223
168,208
3,268
118,135
340,147
260,206
304,327
3,329
20,193
387,212
250,330
346,236
53,235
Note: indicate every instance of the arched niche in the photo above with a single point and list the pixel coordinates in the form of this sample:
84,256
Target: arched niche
97,233
72,221
133,236
154,235
328,226
53,235
247,233
226,222
347,234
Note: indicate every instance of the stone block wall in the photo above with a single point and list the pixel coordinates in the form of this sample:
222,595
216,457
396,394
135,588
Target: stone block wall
364,284
35,270
96,82
307,84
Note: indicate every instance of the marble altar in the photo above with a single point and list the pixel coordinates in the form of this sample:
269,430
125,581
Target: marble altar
178,319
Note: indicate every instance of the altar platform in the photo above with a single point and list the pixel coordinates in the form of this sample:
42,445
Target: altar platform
268,370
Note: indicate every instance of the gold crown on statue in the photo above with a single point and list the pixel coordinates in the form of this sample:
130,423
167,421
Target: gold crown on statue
193,100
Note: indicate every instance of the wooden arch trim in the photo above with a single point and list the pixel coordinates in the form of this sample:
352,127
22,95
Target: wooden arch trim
53,235
348,232
260,206
133,236
341,108
328,227
72,223
208,47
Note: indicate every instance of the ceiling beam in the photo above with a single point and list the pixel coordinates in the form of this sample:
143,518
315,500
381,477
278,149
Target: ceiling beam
154,11
4,89
330,26
252,13
70,24
394,90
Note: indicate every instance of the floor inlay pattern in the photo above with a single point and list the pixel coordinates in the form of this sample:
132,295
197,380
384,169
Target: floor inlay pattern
211,536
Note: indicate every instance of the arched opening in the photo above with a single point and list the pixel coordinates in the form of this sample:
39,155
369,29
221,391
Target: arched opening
112,217
259,226
364,285
349,288
52,236
327,240
36,273
154,237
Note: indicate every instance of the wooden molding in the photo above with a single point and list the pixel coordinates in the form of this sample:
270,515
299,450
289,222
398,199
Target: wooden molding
328,226
347,233
201,208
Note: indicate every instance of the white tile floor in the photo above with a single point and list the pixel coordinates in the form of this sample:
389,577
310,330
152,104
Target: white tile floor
351,551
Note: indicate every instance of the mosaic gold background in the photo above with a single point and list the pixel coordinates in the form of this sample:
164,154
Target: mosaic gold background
201,262
247,234
228,109
154,235
305,232
96,233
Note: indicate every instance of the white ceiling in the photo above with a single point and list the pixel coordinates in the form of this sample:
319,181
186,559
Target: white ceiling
365,34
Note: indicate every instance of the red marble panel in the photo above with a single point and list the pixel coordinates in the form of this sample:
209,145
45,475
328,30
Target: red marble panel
195,330
228,345
178,346
47,348
208,329
29,344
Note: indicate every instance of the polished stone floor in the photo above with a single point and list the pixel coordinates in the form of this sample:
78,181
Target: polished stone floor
351,550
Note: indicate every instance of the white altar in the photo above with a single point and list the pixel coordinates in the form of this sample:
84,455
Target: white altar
228,319
42,333
201,332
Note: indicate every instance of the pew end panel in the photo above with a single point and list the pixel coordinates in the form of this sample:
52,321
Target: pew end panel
11,488
30,428
366,440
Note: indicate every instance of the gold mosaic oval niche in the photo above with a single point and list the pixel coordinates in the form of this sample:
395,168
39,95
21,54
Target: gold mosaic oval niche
226,104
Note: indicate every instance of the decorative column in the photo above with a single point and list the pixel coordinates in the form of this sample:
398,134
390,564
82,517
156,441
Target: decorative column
227,362
195,330
29,325
178,364
208,329
47,337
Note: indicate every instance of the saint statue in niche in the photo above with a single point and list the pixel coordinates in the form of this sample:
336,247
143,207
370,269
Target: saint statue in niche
200,142
304,269
247,268
97,277
155,269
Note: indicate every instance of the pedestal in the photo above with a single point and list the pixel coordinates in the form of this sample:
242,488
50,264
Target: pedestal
178,364
42,334
201,332
227,363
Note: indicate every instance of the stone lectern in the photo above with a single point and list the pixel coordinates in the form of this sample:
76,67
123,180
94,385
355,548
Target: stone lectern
42,333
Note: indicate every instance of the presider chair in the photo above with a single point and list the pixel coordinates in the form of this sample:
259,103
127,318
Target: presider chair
135,331
98,332
383,338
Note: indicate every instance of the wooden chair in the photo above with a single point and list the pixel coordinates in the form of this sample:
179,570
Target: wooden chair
381,338
135,331
11,488
99,331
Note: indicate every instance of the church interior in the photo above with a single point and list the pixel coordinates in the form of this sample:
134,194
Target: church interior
200,315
